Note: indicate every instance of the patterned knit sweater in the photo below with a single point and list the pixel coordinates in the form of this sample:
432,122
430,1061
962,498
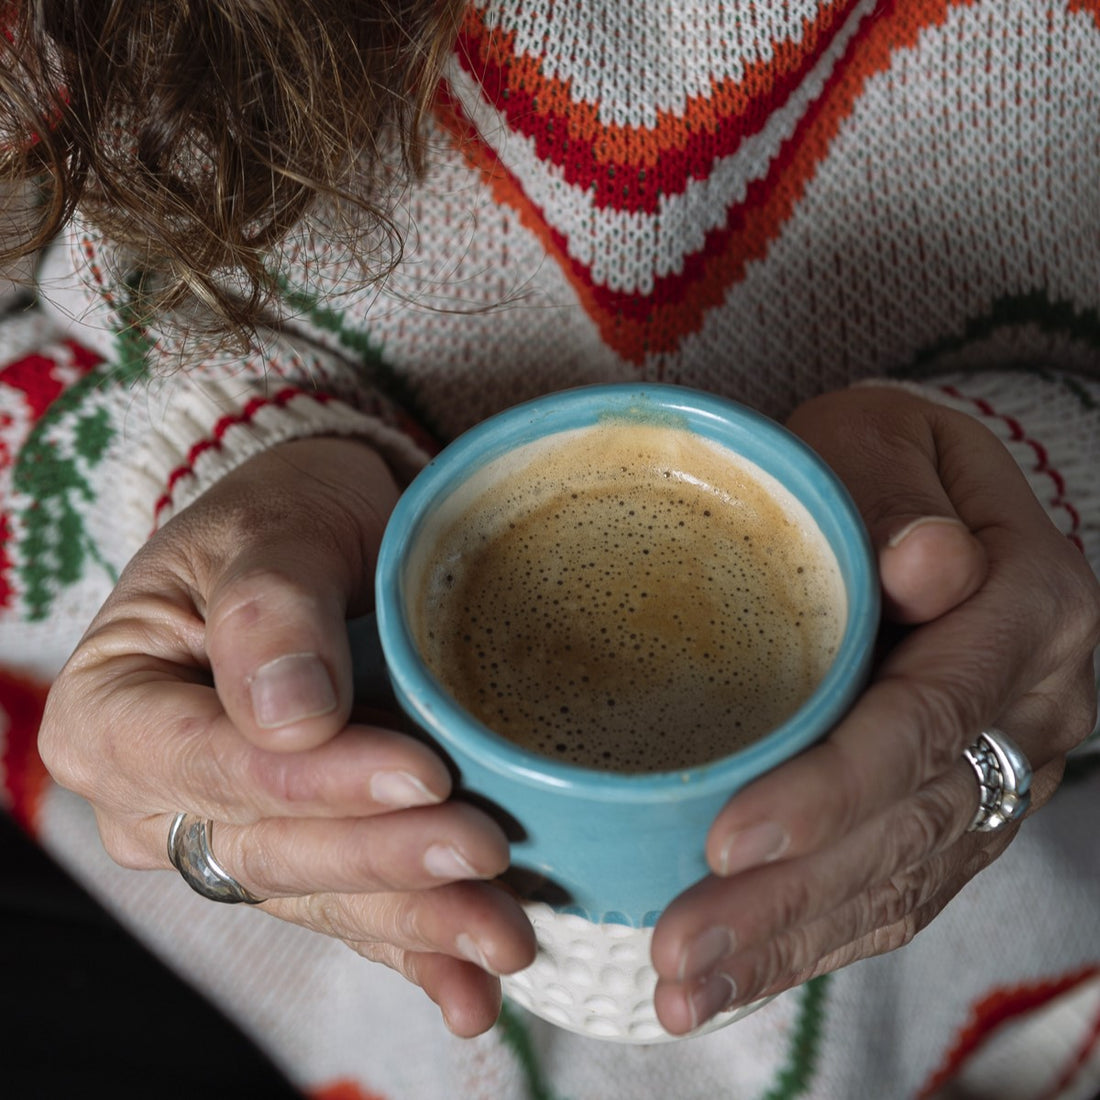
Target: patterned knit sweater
764,199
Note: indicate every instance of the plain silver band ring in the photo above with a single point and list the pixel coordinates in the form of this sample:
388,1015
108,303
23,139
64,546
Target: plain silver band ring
1004,780
190,852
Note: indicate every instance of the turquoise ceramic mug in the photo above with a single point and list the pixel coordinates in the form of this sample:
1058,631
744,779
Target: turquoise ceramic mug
611,848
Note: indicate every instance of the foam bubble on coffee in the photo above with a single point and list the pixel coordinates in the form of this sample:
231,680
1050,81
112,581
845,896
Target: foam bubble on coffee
631,598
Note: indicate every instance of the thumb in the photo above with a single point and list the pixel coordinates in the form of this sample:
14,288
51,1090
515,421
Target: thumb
929,564
882,446
276,634
277,641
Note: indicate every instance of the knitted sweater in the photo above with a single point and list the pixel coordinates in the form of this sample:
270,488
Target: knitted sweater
767,200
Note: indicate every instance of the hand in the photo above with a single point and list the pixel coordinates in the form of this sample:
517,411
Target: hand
852,848
217,680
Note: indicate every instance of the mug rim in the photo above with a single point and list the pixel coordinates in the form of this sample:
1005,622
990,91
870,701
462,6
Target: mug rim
427,701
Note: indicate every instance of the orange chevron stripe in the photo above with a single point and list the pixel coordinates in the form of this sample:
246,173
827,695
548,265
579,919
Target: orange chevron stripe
639,325
507,191
1089,7
640,147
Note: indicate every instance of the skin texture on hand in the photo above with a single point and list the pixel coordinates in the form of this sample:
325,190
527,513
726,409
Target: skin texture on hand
852,848
217,680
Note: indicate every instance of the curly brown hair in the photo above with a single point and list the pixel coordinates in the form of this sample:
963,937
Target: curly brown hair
196,133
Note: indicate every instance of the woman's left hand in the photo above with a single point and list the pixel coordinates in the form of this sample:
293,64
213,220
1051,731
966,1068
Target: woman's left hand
855,846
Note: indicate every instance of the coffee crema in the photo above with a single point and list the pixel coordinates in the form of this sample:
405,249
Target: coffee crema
630,598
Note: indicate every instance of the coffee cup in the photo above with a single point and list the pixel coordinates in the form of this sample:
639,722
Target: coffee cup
609,609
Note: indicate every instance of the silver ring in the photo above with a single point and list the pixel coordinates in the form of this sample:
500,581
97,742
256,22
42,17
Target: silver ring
1004,780
190,852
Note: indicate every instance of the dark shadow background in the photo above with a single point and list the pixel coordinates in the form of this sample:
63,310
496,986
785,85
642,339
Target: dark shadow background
87,1006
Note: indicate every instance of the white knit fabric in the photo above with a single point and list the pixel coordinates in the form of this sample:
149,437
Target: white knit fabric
767,200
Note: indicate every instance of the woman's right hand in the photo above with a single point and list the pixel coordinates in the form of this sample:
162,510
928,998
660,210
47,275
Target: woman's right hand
217,680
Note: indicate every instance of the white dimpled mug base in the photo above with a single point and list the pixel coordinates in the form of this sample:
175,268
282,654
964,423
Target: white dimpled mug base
597,980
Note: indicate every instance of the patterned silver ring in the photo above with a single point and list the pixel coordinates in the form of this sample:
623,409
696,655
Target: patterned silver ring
190,852
1004,780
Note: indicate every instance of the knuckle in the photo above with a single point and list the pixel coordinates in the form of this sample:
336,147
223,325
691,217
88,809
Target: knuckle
892,905
788,955
791,953
834,960
325,913
905,929
1079,609
938,707
382,927
398,924
764,969
1076,719
199,762
923,830
892,936
58,760
254,864
1059,715
288,780
56,749
1068,591
1045,782
123,849
255,600
793,901
387,954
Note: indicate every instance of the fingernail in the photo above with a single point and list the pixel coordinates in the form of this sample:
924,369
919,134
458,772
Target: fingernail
705,951
290,689
712,995
401,790
899,537
443,861
753,846
469,949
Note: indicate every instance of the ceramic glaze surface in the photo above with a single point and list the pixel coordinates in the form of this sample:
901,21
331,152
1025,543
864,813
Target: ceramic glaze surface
609,849
618,847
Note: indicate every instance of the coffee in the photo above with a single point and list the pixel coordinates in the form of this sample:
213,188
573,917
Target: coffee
628,597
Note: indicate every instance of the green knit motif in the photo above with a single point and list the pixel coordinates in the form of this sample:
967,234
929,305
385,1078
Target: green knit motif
1034,311
795,1076
53,473
359,344
792,1080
